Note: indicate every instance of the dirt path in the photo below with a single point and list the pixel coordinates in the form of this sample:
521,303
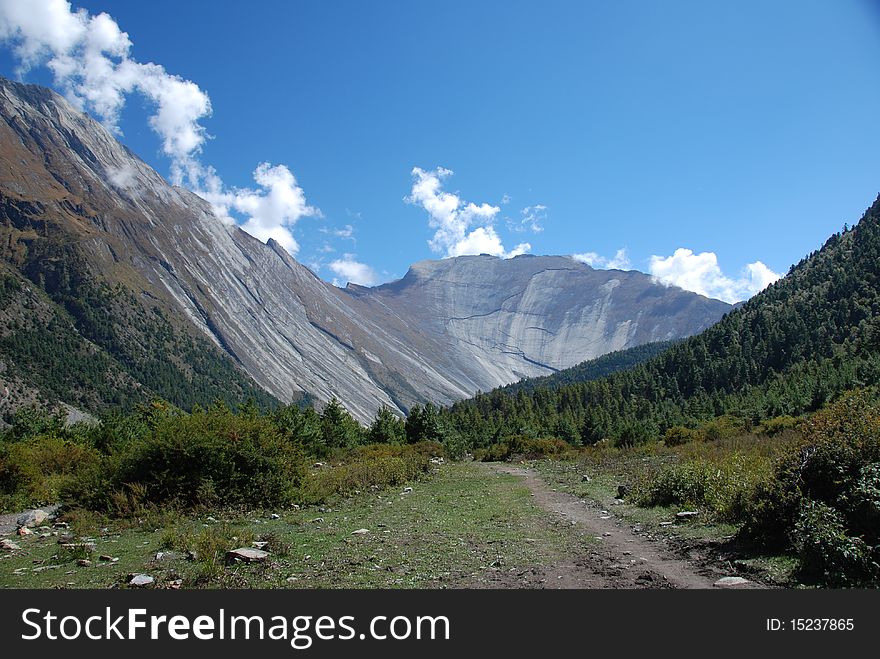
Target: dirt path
623,559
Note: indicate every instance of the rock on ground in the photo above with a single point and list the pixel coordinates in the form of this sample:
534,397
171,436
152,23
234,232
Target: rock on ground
31,518
140,580
247,555
731,582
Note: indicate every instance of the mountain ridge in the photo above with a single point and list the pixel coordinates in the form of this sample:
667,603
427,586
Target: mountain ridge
789,350
70,192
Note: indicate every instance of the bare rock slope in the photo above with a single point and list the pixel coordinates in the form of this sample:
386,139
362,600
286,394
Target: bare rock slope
445,330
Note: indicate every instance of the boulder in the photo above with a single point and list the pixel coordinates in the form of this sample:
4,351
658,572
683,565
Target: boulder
32,518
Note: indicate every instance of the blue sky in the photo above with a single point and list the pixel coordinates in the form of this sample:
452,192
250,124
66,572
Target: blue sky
742,132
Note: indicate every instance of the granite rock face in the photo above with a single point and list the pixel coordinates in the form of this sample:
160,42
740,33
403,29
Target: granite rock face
445,330
504,319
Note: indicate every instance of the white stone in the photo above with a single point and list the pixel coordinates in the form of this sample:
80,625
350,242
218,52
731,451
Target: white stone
141,580
247,554
731,582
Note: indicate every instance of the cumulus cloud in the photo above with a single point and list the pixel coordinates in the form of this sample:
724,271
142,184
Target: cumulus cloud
461,227
89,57
90,60
271,210
701,274
349,269
620,261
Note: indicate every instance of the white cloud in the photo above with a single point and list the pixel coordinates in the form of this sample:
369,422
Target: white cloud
505,199
620,261
453,218
122,177
348,269
272,210
345,232
530,219
90,59
701,274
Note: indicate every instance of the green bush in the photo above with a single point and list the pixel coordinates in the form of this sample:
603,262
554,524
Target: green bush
722,427
827,552
206,458
633,432
721,486
521,446
379,465
387,428
35,470
863,502
678,435
777,424
831,479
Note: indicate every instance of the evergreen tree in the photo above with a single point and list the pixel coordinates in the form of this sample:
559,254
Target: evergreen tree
340,430
387,428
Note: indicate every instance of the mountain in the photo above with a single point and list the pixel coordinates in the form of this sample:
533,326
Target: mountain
504,319
789,350
151,295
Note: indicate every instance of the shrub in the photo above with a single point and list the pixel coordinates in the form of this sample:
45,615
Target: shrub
30,422
722,427
863,503
632,432
207,458
722,487
523,447
387,428
339,429
678,435
777,424
830,480
827,552
35,470
380,465
424,424
301,426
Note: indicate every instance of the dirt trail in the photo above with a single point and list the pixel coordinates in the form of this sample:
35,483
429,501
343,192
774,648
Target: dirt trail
623,559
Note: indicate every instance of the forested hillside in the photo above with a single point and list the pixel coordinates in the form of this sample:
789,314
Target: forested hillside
787,351
592,369
69,337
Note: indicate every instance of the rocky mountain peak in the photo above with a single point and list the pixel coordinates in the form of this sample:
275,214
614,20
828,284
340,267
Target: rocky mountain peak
448,328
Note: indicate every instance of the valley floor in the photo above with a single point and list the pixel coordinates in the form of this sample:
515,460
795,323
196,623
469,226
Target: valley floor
471,525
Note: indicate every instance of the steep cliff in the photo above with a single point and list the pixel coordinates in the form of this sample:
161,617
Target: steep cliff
187,306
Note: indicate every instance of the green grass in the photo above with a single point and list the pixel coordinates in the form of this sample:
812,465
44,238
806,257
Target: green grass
460,528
